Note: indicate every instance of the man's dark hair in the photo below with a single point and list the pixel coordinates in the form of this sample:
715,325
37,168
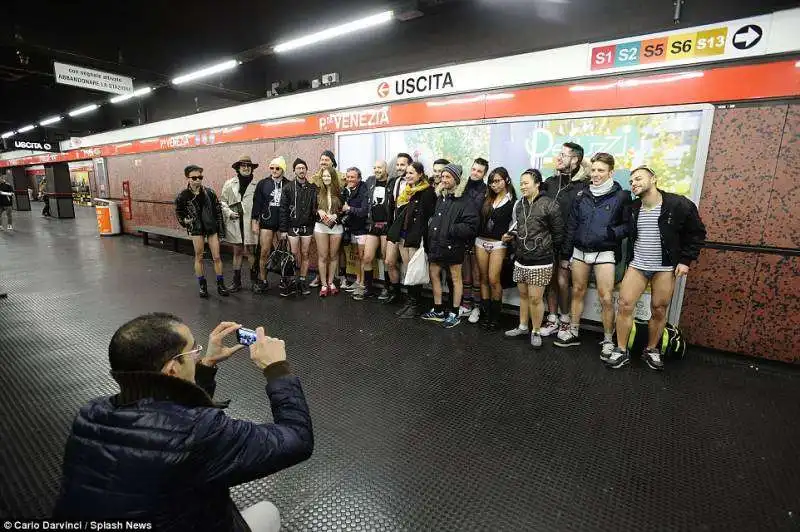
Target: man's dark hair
356,170
407,156
577,149
483,162
191,168
441,161
146,343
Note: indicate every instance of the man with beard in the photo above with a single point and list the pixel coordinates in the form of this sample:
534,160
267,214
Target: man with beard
237,199
395,187
476,194
378,216
563,186
266,216
297,224
666,234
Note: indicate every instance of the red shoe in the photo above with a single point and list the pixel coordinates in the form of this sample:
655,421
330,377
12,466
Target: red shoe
333,289
323,292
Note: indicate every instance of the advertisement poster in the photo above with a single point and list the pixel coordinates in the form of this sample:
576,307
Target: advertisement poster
668,142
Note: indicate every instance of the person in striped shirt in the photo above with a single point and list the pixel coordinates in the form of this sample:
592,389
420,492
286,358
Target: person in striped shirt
666,235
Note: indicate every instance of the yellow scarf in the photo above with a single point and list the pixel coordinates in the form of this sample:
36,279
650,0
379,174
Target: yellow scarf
409,192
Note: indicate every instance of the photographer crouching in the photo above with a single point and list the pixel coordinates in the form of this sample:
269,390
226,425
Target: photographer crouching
161,450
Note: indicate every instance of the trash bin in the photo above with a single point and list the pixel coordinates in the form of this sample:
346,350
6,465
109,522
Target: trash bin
108,219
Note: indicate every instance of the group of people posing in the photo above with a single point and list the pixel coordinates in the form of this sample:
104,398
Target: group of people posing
559,232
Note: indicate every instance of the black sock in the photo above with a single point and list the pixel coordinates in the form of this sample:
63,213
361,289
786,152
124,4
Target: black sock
455,311
438,308
368,280
396,287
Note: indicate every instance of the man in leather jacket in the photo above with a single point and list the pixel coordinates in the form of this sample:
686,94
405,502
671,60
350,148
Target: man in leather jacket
199,211
297,224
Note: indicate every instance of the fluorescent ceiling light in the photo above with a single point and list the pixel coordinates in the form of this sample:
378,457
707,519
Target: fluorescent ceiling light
51,120
84,110
7,134
221,67
126,97
26,128
336,31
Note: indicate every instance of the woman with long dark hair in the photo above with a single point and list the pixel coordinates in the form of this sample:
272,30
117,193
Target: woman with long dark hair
490,250
537,231
328,230
413,209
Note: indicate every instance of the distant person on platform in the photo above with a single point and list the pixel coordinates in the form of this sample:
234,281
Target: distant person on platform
570,177
237,200
6,202
199,211
266,216
161,450
666,234
297,219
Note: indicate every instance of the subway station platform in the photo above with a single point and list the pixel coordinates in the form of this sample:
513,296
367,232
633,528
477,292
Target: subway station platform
417,428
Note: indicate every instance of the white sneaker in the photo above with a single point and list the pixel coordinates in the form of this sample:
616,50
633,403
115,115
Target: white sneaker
549,328
536,340
607,349
518,331
464,311
10,227
475,315
566,338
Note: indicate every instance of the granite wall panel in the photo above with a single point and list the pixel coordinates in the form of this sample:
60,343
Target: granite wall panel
782,227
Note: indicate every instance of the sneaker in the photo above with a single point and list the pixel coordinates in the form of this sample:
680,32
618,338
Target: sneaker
618,358
433,315
10,227
653,359
315,282
384,295
549,328
261,287
517,331
536,340
451,321
607,348
287,288
358,293
304,289
475,314
349,287
567,338
464,311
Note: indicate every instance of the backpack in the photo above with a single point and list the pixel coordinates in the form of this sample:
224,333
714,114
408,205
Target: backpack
672,344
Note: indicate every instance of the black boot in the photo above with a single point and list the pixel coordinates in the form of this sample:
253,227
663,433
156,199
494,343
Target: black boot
237,282
394,295
260,287
253,276
203,288
486,314
221,290
496,309
411,308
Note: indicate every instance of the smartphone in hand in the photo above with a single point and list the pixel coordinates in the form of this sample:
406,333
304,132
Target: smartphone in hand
246,336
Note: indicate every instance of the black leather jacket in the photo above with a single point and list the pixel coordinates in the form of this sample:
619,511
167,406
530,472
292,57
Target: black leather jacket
200,214
297,205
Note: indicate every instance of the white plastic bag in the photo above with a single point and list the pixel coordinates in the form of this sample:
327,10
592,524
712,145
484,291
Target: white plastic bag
417,270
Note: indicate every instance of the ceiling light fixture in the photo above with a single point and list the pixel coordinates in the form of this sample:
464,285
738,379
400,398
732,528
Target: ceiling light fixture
7,134
51,120
84,110
335,31
26,128
134,94
208,71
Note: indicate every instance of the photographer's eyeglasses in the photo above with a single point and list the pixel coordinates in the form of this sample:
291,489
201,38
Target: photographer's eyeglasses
194,353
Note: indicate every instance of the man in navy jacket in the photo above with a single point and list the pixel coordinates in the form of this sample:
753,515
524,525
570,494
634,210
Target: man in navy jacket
163,451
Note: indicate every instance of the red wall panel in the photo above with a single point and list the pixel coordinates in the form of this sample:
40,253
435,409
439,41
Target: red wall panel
782,227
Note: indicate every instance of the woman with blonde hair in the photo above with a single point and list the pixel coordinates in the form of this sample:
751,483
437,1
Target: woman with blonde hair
328,229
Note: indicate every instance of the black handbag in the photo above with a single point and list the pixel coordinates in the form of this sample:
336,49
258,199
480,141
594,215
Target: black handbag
507,273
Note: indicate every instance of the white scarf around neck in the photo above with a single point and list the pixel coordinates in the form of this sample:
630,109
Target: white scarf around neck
601,190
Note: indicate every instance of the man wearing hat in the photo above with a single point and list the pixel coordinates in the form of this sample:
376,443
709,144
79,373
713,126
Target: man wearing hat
199,211
237,199
297,218
453,226
266,215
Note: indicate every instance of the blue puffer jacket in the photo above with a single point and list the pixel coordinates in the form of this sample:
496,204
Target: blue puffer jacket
598,224
162,451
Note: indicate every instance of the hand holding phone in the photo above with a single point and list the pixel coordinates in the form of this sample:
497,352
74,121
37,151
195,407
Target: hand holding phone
266,350
216,352
246,336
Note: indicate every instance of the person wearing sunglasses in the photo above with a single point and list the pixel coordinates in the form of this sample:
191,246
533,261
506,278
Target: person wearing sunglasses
161,450
237,199
266,216
199,211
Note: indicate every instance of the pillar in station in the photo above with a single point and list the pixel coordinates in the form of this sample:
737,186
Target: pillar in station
19,180
59,190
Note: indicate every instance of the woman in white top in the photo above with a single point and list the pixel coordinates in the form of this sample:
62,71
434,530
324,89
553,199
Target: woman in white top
328,230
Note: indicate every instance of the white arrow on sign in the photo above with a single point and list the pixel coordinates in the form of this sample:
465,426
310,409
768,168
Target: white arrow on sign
747,38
